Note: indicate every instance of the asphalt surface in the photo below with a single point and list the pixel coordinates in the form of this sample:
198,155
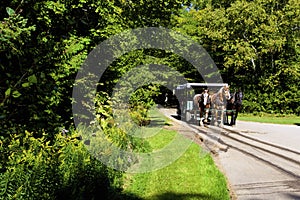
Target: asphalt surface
285,135
249,177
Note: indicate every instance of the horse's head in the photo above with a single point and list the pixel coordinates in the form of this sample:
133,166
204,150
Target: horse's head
231,99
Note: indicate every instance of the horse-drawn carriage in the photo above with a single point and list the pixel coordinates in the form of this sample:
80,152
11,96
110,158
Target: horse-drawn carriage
204,103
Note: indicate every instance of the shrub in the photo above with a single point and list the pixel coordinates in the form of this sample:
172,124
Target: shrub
34,168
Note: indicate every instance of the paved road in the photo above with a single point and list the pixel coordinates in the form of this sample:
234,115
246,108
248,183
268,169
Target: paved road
286,135
252,178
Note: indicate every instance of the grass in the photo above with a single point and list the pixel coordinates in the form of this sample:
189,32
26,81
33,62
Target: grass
192,176
270,118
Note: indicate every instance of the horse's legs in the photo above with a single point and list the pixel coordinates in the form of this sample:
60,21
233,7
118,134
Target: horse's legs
215,117
226,120
200,116
222,118
206,115
235,117
232,116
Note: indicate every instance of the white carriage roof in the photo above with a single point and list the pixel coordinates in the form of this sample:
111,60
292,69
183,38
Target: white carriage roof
188,85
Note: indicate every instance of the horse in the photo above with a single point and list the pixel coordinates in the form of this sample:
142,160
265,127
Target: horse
234,106
218,104
238,96
231,110
202,102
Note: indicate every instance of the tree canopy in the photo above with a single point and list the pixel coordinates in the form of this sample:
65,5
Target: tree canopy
255,44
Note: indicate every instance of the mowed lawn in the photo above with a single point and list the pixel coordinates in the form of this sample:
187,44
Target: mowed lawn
270,118
193,176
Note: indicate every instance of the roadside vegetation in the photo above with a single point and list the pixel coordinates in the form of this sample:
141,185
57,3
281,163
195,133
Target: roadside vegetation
270,118
192,176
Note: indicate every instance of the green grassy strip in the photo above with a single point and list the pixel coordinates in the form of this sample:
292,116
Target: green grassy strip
192,176
270,118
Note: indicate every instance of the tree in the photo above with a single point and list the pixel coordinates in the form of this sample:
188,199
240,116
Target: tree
45,43
251,37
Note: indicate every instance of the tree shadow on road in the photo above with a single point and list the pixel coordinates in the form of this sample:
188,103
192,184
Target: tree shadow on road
293,196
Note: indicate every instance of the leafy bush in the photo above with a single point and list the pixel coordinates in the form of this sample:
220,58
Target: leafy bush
37,167
34,168
284,102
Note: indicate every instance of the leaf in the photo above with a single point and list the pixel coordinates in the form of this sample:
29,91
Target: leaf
42,75
27,84
32,79
7,92
16,94
10,11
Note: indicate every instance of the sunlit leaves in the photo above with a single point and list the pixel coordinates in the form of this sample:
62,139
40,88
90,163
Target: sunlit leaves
249,37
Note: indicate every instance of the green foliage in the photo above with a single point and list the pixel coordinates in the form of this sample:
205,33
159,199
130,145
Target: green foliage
36,82
255,44
44,44
277,102
141,101
118,134
36,169
14,31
